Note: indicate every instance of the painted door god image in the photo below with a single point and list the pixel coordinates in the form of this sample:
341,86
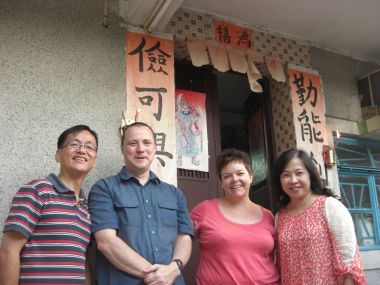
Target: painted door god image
191,130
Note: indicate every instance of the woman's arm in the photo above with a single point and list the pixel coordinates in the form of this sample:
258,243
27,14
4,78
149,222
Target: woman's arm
342,230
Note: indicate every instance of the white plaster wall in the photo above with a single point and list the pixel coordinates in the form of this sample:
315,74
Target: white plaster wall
371,261
58,67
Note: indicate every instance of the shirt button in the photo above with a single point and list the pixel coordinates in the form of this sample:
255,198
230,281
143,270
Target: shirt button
156,249
149,216
153,232
146,201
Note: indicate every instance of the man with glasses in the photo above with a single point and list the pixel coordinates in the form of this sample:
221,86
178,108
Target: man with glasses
47,230
141,224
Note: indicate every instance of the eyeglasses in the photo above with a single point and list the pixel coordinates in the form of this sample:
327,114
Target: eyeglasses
76,145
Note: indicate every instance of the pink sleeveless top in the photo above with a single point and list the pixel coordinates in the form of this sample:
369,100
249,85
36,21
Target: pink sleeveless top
232,253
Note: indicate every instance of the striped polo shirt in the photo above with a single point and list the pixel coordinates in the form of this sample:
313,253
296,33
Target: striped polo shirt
45,211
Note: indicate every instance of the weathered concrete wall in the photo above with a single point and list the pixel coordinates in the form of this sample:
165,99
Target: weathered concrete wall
339,75
58,67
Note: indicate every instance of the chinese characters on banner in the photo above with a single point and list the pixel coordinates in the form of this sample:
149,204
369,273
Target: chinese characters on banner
309,115
150,93
232,35
191,130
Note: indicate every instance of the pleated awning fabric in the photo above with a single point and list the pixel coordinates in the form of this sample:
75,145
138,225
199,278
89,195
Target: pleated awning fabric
275,68
198,52
218,55
237,60
253,75
225,58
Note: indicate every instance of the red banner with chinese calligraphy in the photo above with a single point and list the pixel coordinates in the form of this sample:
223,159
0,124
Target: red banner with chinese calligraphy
232,35
309,114
150,94
191,130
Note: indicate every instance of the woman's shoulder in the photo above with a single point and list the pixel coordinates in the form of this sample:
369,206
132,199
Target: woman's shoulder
202,212
333,201
267,212
204,205
335,207
207,203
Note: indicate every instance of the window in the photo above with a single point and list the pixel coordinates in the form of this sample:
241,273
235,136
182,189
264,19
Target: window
359,178
369,89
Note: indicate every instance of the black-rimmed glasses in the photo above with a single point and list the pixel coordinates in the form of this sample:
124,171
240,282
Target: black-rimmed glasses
77,145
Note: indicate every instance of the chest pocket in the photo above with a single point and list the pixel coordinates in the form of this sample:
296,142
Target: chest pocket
128,211
168,212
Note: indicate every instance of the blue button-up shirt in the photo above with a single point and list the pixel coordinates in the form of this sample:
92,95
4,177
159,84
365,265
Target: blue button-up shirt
147,217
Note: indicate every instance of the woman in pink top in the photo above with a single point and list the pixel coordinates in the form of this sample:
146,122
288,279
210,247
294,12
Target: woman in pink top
316,236
236,236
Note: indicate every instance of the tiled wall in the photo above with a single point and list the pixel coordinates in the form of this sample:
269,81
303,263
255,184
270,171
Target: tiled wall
188,24
283,127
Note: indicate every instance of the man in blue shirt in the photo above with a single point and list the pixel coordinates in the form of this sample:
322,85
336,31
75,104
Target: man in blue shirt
140,223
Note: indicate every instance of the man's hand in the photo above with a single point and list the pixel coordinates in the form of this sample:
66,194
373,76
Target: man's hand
159,274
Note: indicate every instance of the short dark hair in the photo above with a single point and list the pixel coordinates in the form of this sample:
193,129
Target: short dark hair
74,130
316,184
135,124
233,155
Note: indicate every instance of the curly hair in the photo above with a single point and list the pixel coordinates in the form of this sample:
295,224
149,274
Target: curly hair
229,155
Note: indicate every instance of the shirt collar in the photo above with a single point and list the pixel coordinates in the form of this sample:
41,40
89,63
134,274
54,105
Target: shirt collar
125,175
59,186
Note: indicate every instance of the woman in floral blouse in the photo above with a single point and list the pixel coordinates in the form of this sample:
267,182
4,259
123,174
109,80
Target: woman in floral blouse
315,232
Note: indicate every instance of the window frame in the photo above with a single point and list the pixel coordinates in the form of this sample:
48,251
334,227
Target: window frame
370,173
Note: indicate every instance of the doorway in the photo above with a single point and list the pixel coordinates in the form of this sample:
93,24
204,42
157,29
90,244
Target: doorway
236,117
245,124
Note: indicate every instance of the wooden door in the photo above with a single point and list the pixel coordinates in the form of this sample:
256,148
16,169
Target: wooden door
196,185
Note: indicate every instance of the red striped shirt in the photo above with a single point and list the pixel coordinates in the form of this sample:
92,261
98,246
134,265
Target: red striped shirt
57,229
